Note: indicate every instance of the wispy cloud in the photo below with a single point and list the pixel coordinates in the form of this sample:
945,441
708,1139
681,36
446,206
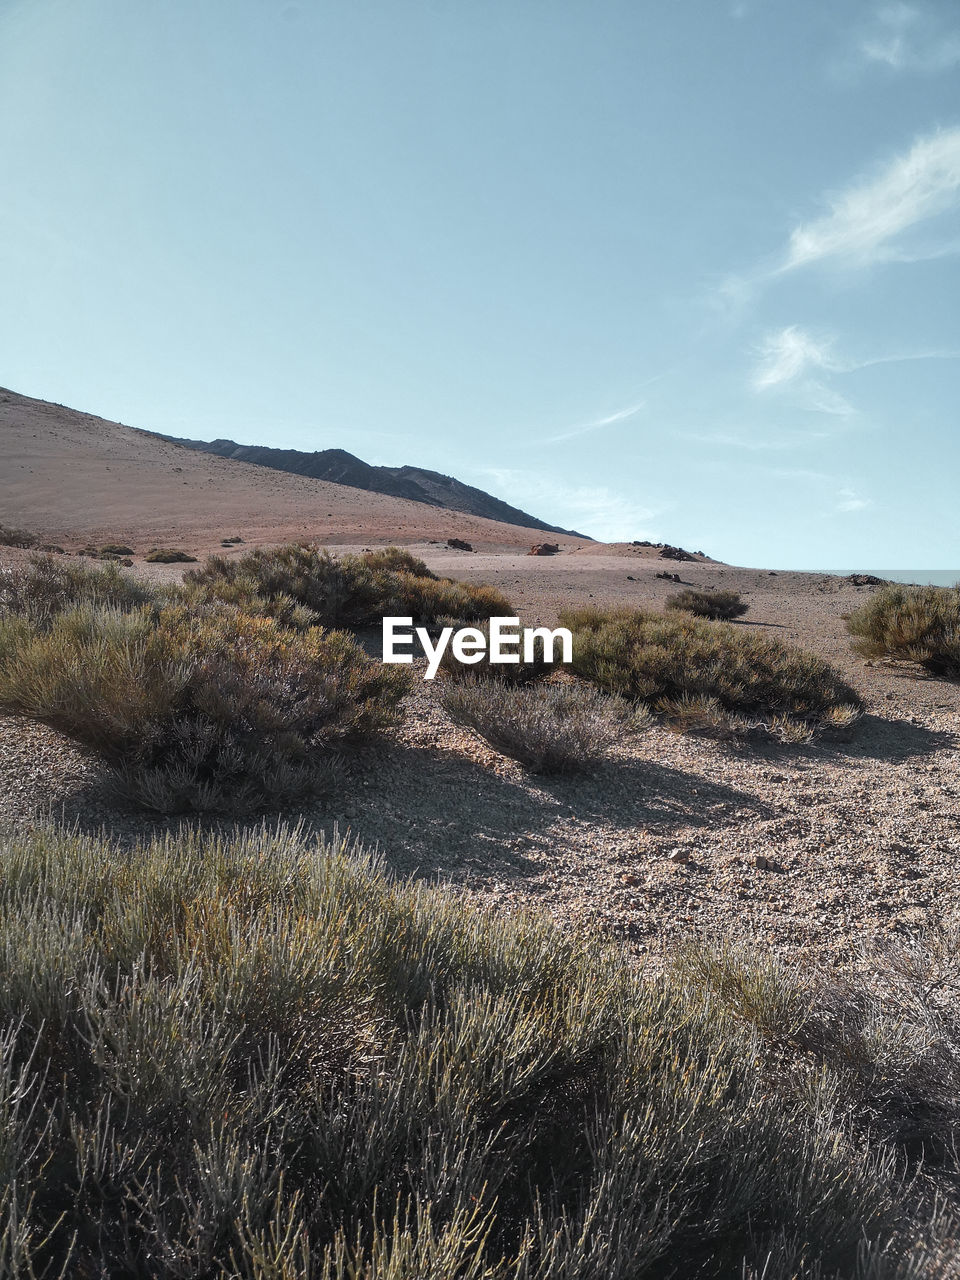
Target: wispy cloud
907,38
850,500
865,218
593,509
788,361
597,424
788,354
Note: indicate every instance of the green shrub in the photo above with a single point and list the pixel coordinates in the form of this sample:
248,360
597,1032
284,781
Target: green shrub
550,728
716,605
45,587
263,1058
115,549
345,591
166,555
16,537
699,672
913,624
214,711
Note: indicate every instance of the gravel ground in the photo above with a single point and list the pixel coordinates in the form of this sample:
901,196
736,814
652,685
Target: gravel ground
813,849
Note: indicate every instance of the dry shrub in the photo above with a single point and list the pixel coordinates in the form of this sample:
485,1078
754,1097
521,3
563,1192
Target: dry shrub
344,591
16,537
675,664
913,624
559,728
716,605
262,1057
44,587
210,711
168,555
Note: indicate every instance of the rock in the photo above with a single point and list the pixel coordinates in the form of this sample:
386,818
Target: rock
458,544
675,553
679,855
764,864
866,580
669,577
544,549
630,879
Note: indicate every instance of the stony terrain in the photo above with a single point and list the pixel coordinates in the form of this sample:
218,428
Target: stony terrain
814,848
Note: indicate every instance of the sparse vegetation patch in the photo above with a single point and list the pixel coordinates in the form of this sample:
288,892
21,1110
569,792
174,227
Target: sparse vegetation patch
911,624
716,605
344,591
702,674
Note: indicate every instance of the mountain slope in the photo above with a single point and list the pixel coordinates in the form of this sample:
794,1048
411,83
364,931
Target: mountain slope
73,478
414,483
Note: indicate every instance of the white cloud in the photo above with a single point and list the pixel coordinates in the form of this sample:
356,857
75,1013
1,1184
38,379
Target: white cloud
850,500
906,38
592,509
597,424
911,188
789,353
788,358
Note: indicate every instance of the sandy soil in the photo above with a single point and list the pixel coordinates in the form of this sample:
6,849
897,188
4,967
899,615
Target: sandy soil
662,842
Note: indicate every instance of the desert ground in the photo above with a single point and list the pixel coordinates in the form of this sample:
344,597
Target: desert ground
817,849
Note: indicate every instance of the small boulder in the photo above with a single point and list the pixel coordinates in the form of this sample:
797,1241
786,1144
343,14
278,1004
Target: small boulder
544,549
458,544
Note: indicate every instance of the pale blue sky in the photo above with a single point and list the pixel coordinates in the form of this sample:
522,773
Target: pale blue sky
684,271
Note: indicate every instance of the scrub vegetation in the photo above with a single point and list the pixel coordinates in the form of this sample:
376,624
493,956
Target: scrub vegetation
262,1057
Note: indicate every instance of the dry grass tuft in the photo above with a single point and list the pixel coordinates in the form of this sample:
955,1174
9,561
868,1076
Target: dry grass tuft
556,728
716,605
912,624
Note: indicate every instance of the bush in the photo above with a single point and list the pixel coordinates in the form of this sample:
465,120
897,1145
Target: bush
717,605
549,728
213,711
115,549
699,672
45,587
260,1057
164,555
913,624
521,672
346,591
16,537
397,559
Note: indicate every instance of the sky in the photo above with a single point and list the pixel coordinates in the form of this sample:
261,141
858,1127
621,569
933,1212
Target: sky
687,272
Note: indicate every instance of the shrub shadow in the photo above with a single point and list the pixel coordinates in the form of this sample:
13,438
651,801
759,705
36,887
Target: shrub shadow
893,741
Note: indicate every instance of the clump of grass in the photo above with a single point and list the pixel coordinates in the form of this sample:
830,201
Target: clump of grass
345,591
716,605
558,728
168,555
115,549
212,711
262,1057
10,537
912,624
44,587
689,670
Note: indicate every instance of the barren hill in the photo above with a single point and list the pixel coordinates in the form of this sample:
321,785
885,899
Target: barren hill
73,478
415,483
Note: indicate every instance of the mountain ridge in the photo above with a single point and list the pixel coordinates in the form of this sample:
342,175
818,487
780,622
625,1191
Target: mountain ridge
416,484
